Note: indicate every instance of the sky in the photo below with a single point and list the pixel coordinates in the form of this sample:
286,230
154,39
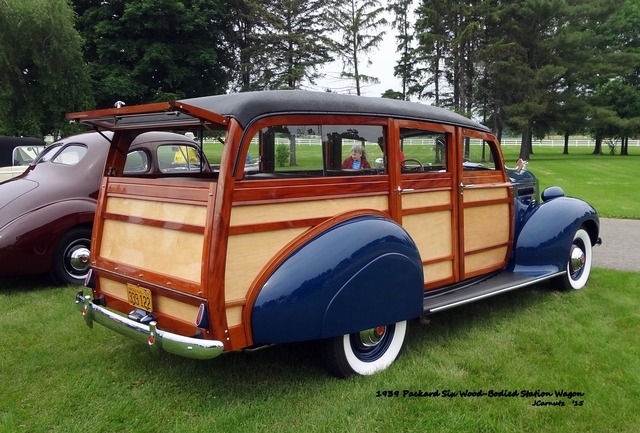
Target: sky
383,61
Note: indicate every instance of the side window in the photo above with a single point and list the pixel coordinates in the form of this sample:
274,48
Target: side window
137,162
477,154
48,153
177,158
423,151
317,151
70,155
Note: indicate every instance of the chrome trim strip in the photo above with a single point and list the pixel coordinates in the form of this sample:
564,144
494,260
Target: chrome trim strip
155,338
490,294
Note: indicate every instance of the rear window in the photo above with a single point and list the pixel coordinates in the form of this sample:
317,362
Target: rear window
70,155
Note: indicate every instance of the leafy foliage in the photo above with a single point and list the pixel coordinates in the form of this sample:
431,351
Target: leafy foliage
143,51
42,74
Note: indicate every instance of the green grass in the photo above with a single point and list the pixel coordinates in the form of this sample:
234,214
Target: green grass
57,375
609,183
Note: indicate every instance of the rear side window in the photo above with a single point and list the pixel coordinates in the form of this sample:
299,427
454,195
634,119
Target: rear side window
70,155
137,162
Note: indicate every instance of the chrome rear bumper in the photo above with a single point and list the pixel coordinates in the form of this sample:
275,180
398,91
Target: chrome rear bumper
155,338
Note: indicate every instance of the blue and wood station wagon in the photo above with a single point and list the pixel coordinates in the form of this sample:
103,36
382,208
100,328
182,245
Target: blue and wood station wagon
326,217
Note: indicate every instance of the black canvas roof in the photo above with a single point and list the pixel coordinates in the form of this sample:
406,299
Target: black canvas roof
248,106
7,144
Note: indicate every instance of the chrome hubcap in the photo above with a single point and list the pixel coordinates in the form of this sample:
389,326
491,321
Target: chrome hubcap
79,259
576,260
371,337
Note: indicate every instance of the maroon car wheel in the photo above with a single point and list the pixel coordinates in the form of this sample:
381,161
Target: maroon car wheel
71,257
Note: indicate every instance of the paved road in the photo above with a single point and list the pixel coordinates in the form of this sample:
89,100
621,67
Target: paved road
620,245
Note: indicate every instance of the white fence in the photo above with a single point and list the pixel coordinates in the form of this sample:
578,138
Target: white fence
559,142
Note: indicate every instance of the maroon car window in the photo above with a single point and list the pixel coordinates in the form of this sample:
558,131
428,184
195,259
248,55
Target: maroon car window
70,155
137,162
48,153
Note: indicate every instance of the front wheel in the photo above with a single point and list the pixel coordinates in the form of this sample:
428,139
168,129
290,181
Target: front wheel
71,257
365,352
579,262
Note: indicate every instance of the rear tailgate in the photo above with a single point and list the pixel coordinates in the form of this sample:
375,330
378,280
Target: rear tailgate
149,238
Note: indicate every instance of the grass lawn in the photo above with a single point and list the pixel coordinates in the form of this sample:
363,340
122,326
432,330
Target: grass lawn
609,182
57,375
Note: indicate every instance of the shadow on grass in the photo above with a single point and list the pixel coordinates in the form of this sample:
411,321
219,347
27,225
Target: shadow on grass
24,284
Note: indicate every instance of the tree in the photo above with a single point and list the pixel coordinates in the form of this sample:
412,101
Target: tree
405,67
42,73
143,51
278,44
358,24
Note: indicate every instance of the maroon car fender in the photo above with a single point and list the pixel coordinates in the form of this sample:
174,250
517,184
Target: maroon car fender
27,243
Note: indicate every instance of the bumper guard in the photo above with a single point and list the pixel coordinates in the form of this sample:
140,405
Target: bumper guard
155,338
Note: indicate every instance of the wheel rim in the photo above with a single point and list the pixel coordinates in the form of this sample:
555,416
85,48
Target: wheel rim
577,260
370,344
76,259
579,263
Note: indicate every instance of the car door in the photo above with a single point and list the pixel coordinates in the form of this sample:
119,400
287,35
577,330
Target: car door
486,202
427,194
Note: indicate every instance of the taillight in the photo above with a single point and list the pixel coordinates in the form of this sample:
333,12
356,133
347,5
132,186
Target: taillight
202,318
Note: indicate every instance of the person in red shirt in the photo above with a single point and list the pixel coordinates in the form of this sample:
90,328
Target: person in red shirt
358,158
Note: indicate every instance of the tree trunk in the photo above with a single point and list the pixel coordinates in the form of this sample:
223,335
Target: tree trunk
624,147
565,151
292,151
597,150
525,146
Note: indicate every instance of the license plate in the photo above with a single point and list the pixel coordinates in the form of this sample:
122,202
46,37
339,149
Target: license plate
139,297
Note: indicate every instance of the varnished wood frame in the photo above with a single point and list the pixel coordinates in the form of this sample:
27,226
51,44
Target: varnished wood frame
411,183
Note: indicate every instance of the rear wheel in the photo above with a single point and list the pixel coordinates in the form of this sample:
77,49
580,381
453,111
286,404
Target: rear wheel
71,257
579,262
365,352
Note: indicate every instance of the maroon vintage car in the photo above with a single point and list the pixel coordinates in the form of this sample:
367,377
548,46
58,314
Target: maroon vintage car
46,214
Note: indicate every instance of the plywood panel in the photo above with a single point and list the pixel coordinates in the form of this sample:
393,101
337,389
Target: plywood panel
485,226
247,254
484,259
431,232
437,271
169,252
234,316
425,199
162,211
275,212
472,195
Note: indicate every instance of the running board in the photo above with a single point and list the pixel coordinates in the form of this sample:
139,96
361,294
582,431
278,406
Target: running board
499,283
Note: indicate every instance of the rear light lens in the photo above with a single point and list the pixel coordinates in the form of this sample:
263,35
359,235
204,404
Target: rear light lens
202,318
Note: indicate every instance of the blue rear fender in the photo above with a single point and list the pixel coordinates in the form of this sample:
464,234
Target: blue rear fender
360,273
545,233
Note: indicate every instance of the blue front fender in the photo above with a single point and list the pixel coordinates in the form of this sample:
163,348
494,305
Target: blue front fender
545,234
360,273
